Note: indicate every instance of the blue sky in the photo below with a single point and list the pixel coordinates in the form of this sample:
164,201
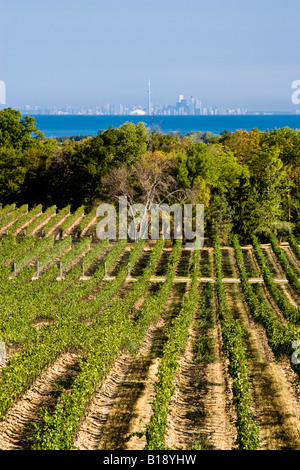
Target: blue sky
92,52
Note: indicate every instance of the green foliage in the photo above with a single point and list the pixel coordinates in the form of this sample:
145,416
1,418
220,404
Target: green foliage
289,311
56,220
234,348
221,219
12,173
280,335
25,219
204,347
71,220
177,339
12,216
295,246
198,136
16,131
31,227
290,271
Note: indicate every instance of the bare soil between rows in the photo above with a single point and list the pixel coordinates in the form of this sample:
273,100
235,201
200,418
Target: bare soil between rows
14,430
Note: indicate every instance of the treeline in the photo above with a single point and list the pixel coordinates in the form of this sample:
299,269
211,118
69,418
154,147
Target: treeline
248,181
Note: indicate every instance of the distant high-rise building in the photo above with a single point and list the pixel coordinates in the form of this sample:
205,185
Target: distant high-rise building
198,107
192,105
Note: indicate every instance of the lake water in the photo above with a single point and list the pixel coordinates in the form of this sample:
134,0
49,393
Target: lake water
58,126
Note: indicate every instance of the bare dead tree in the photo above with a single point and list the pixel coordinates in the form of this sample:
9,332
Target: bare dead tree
118,183
153,174
150,182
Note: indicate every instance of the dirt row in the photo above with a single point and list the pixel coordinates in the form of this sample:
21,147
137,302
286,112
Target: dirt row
201,414
14,430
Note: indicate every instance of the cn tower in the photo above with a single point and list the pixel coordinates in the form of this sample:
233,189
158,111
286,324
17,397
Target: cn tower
149,98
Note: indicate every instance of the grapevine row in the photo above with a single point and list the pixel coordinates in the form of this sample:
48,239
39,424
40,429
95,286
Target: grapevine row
85,222
22,260
71,220
290,272
11,217
12,248
58,248
234,348
55,220
295,246
289,312
31,227
177,335
24,219
204,347
7,209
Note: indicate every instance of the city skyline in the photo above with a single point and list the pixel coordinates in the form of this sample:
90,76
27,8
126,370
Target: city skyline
183,106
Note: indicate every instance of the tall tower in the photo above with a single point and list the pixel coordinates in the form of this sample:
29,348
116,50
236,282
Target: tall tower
149,98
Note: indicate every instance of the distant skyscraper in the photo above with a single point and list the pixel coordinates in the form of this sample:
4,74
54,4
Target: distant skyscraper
192,105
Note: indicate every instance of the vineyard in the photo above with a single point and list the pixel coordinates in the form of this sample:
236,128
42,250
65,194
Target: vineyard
144,345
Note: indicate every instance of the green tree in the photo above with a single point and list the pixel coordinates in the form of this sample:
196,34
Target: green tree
226,170
181,171
269,178
17,131
124,145
221,219
200,163
242,143
286,141
12,174
244,200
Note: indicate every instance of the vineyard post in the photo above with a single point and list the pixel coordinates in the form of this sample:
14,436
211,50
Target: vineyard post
60,269
37,268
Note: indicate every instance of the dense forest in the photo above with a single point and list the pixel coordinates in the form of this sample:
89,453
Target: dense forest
248,181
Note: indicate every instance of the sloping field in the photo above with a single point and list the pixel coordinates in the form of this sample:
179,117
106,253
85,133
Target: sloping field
144,345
